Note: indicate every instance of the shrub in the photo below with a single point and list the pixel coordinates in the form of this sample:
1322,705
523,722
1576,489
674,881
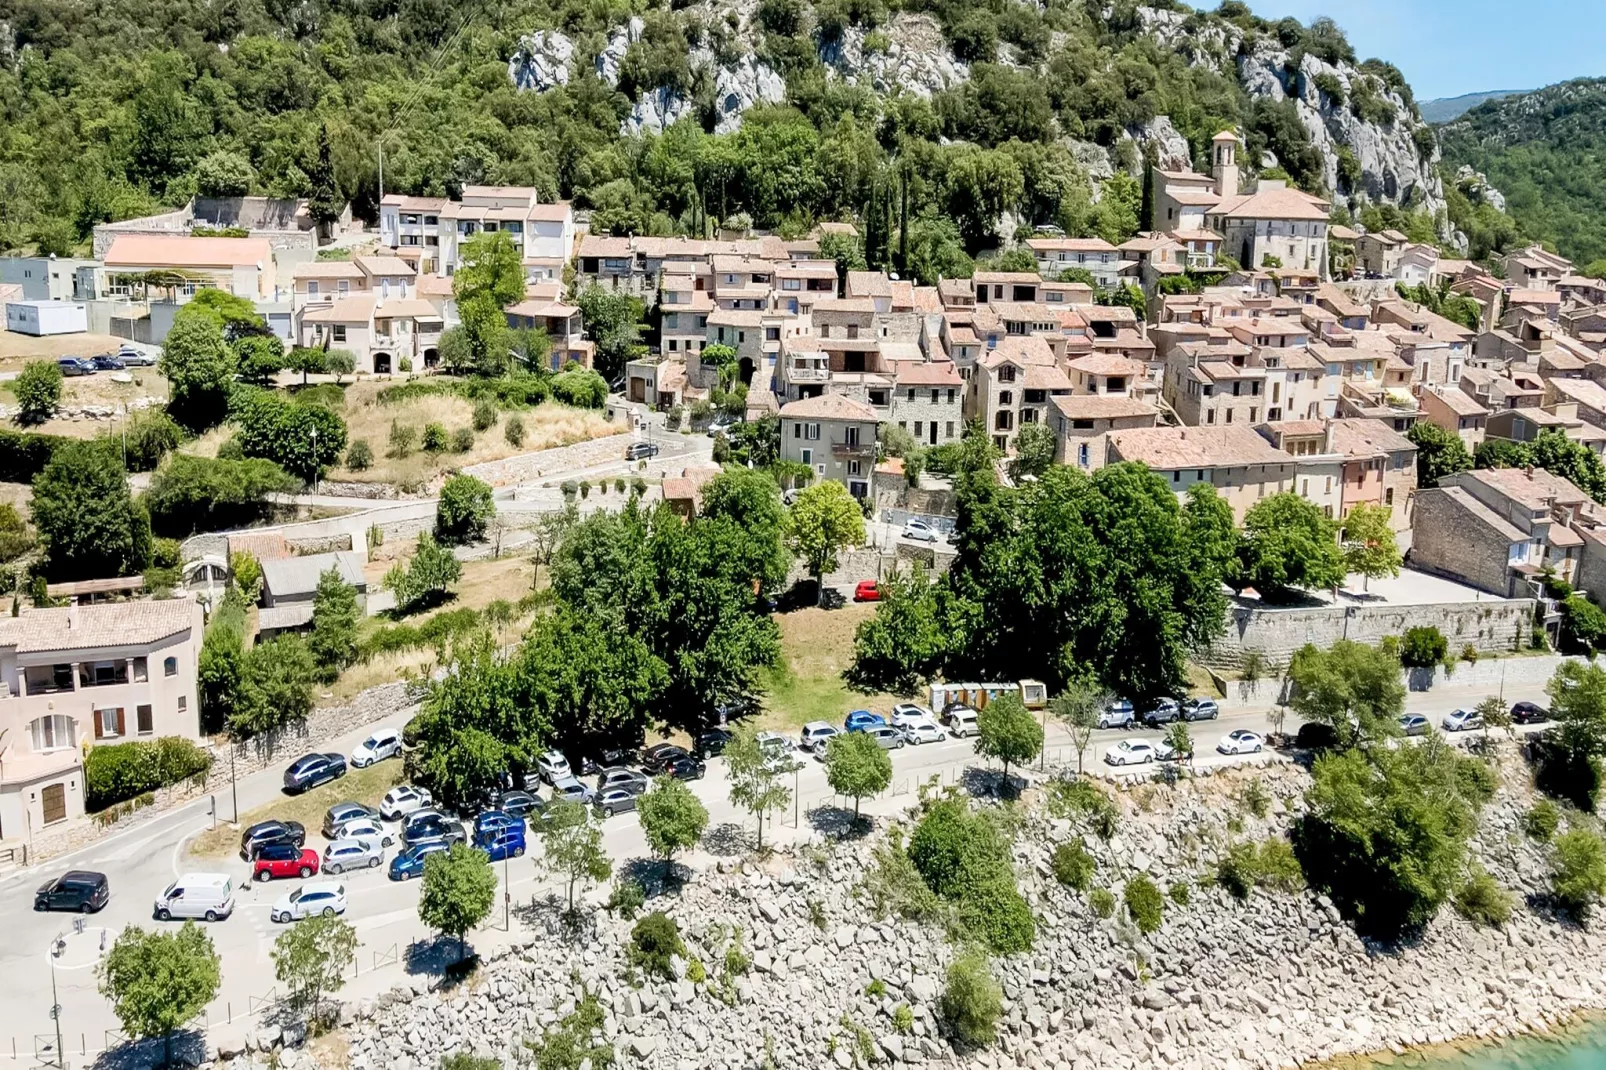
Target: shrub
434,438
1102,902
1483,902
190,494
585,488
37,389
359,456
1145,903
513,431
998,915
903,1019
405,364
653,941
627,898
972,1002
1578,870
114,772
148,437
638,486
1080,800
1072,866
569,488
1279,867
619,485
1542,820
464,510
403,440
24,455
484,414
1423,647
1255,798
462,440
1180,893
876,989
1313,735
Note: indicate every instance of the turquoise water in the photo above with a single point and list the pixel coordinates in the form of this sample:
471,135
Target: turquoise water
1582,1050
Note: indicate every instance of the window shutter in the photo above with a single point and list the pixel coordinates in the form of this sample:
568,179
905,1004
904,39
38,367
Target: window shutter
96,717
121,729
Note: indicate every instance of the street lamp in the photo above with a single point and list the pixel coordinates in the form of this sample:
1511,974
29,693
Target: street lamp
55,1001
314,460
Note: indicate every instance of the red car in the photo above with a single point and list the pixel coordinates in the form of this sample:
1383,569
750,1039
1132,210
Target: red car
867,591
284,860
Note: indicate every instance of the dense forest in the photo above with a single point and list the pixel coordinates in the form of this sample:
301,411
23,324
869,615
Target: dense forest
112,108
1546,151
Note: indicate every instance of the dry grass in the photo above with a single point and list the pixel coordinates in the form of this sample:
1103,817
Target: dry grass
382,669
816,645
361,785
17,494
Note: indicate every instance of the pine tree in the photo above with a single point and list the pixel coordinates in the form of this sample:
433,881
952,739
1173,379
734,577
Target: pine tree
324,203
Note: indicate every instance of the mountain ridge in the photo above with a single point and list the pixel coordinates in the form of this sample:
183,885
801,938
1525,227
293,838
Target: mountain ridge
1445,109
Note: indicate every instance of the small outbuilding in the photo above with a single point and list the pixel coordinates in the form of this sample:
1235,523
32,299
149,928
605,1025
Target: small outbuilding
41,318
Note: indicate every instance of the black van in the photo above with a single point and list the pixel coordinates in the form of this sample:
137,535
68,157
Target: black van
78,890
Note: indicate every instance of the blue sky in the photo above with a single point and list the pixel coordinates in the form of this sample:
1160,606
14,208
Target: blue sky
1450,47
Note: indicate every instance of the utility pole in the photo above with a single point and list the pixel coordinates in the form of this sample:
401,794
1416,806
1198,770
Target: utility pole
55,1008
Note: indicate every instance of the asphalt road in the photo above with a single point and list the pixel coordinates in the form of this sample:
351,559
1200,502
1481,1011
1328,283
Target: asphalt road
144,860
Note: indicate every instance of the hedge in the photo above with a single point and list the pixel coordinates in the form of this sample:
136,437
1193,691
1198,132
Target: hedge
117,771
23,454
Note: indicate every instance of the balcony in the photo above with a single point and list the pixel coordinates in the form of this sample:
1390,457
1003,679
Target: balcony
808,373
855,449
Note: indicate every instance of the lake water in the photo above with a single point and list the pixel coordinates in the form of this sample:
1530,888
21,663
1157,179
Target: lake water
1583,1049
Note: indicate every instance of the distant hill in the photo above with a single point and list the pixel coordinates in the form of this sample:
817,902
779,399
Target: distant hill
1443,109
1546,151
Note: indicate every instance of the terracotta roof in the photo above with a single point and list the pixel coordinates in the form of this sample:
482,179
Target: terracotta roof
551,213
928,373
1587,392
384,265
1195,447
1021,349
1069,245
1457,401
828,407
1535,297
1045,377
1368,438
115,624
1296,428
1201,198
868,284
1106,364
181,250
415,204
358,308
1533,488
1285,203
328,269
1025,278
1101,406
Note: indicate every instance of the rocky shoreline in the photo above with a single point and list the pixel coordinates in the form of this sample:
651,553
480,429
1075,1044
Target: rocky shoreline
1279,980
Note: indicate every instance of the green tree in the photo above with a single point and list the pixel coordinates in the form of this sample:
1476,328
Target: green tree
303,438
1034,451
1578,870
857,766
260,357
275,686
459,889
37,389
311,959
90,525
224,174
1438,453
324,202
672,819
157,981
464,509
1369,545
822,521
1007,731
427,578
476,727
1289,544
972,1003
199,367
612,320
189,493
221,661
1350,686
489,278
905,642
1078,708
1577,693
333,642
755,777
572,844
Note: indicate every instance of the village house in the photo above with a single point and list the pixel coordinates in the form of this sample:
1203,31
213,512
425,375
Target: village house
1498,529
835,436
1012,386
429,231
1240,464
1379,467
1082,424
1452,409
1318,466
928,401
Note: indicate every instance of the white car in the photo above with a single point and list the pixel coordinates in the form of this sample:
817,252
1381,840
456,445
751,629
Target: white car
918,732
381,744
777,750
905,714
817,732
1461,721
1130,752
313,897
920,531
1241,741
403,800
553,767
364,828
347,854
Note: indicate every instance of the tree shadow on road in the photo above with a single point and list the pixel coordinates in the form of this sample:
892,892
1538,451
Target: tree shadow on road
189,1049
839,823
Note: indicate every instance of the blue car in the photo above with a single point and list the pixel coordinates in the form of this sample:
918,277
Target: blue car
409,861
859,720
502,843
493,821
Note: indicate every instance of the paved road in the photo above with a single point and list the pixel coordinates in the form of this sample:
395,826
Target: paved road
142,861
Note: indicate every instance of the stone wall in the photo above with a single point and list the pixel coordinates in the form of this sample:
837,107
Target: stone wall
1492,625
1493,675
528,466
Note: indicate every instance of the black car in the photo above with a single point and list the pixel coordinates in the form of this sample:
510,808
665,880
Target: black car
78,890
108,362
341,812
638,451
1529,713
263,833
685,767
713,741
312,770
519,803
434,827
658,757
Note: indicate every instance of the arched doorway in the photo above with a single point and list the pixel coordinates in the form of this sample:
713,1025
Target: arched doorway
744,368
382,363
432,357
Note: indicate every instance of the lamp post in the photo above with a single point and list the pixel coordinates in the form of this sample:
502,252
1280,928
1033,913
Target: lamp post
314,461
55,1004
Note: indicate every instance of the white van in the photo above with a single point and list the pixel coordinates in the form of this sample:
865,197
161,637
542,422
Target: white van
197,895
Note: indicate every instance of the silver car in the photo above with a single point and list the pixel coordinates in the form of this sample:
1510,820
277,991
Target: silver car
570,788
887,737
344,855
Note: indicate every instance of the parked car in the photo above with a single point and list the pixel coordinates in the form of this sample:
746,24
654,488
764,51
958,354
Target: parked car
620,777
107,362
307,772
1200,709
777,750
71,366
433,826
409,861
493,821
570,788
77,890
614,801
552,766
365,828
1165,752
342,813
197,895
905,714
920,531
867,591
263,833
1241,741
1529,713
1118,714
712,742
1130,752
960,719
639,451
313,898
134,358
859,720
519,803
657,757
403,800
502,843
1165,711
686,767
816,732
1414,724
887,737
722,425
923,731
382,743
1461,721
342,855
284,860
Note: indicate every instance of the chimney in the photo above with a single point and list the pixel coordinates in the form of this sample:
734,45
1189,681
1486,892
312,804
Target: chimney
72,614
